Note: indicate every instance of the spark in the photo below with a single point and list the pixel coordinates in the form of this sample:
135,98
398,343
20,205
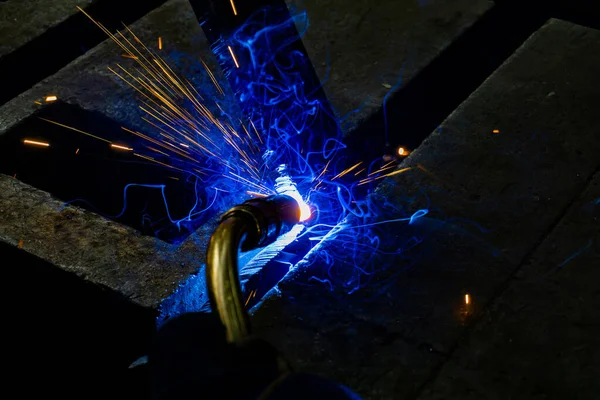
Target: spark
372,179
384,168
256,130
77,151
322,172
356,174
233,56
161,144
256,194
50,99
157,151
402,152
233,6
36,143
344,172
37,102
467,299
400,171
213,79
116,146
20,245
388,164
250,296
144,157
75,129
496,131
248,182
185,126
157,162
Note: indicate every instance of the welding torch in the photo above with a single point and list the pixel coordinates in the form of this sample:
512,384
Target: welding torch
255,223
217,353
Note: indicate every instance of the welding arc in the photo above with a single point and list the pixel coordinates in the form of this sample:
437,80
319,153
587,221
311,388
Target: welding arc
255,223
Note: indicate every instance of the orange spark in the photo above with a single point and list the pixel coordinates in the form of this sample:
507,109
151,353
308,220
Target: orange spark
74,129
398,172
384,168
344,172
37,102
256,130
160,43
322,172
27,141
77,152
402,151
129,56
250,296
20,245
50,99
467,299
233,56
370,179
496,131
116,146
233,6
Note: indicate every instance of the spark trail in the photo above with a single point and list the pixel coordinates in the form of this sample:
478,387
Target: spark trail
265,137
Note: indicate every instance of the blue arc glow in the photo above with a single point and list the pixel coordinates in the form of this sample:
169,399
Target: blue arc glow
270,130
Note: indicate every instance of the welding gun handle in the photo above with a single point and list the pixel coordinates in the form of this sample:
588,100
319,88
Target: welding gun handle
191,358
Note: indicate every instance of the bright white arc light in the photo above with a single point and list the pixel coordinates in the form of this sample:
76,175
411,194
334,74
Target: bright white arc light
304,208
285,185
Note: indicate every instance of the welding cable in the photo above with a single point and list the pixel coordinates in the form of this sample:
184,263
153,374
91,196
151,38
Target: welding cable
252,224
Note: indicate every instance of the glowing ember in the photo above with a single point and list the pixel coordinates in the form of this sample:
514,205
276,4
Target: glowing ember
35,143
233,56
467,299
496,131
233,7
116,146
50,99
160,43
347,170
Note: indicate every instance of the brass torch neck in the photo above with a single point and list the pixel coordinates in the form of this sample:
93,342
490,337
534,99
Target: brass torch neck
255,223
